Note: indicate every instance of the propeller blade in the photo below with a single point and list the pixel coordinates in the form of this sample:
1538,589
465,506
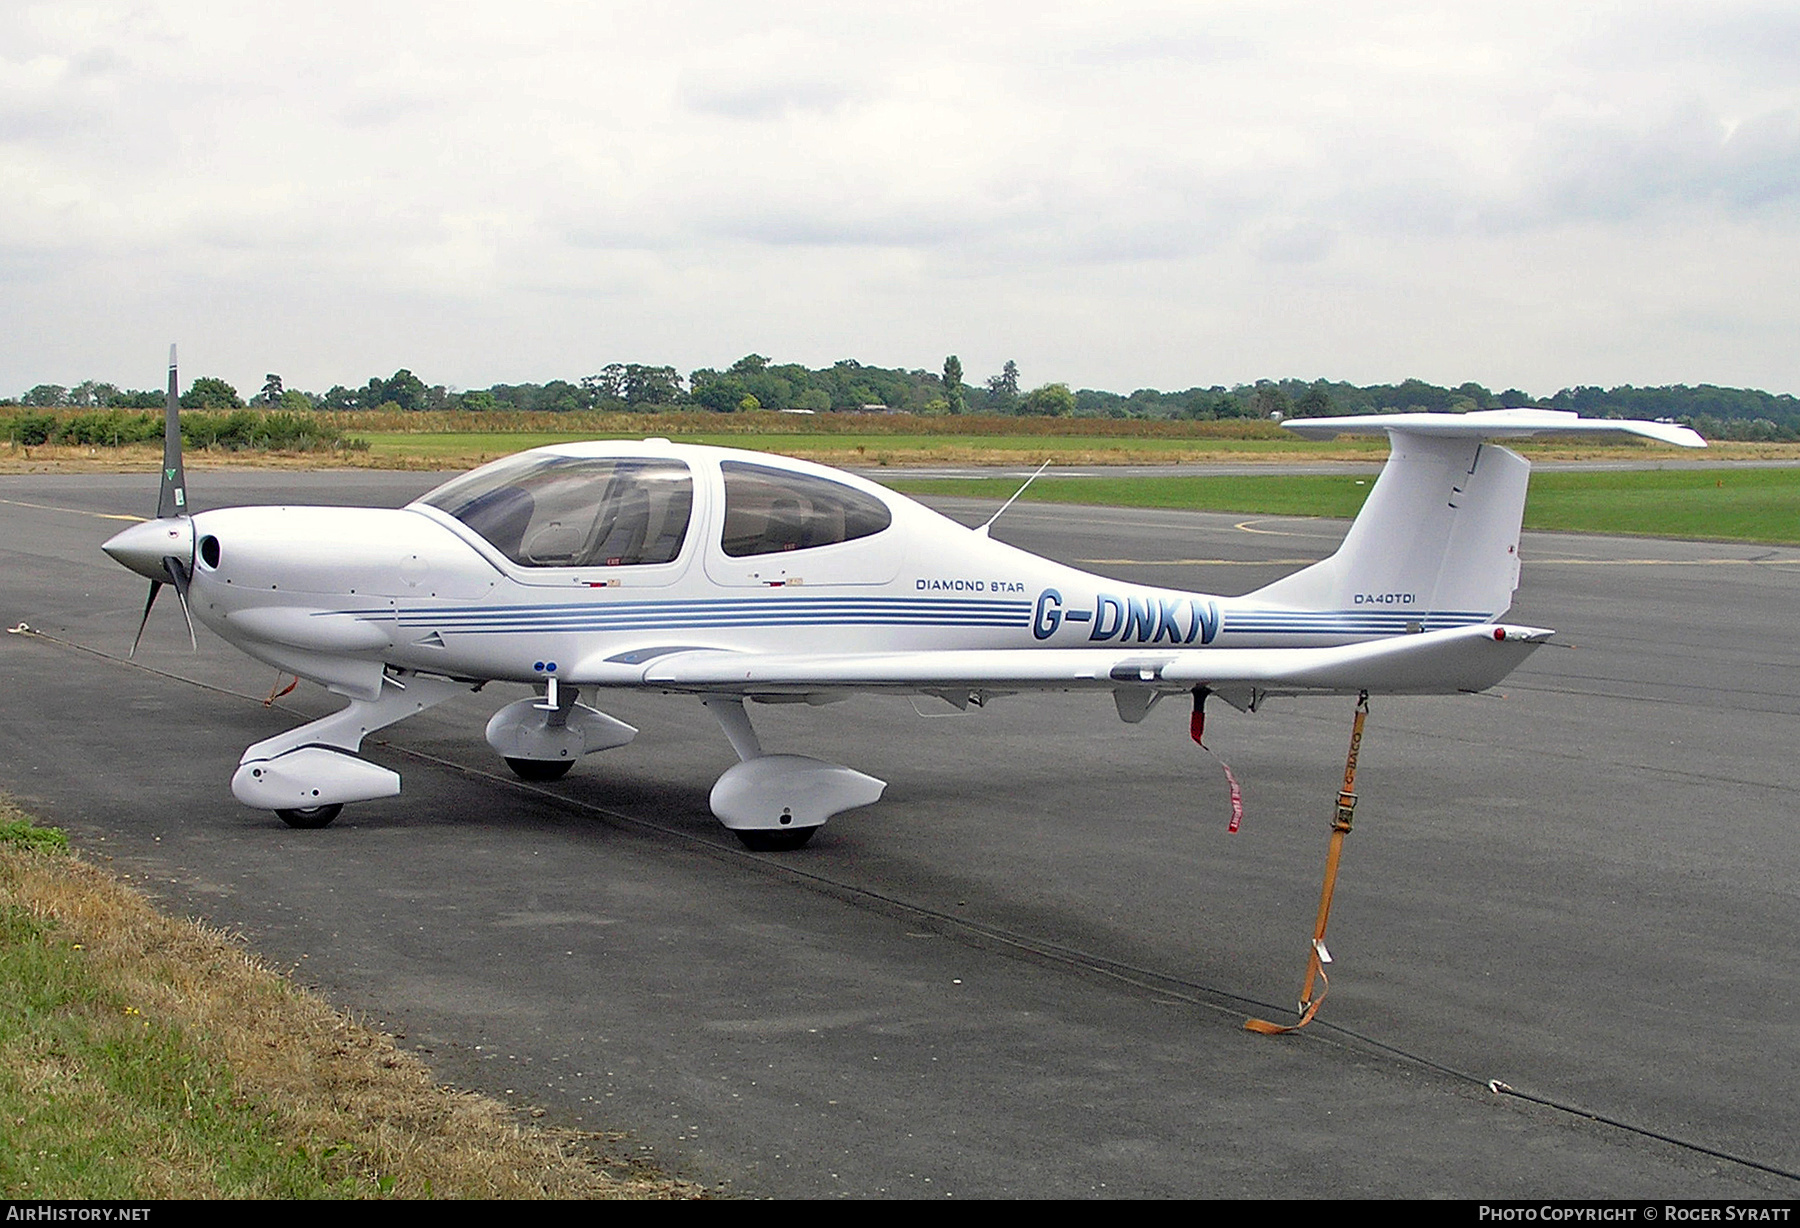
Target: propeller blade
155,588
171,498
142,546
171,502
178,578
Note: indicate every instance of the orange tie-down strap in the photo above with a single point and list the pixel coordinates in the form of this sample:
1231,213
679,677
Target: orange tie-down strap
1340,827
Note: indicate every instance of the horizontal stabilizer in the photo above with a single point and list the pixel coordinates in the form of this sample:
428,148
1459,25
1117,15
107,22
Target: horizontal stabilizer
1431,663
1494,424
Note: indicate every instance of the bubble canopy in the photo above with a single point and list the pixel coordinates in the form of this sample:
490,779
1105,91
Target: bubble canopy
572,511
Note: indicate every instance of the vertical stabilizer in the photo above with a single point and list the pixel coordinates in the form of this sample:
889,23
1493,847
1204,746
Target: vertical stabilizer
1439,535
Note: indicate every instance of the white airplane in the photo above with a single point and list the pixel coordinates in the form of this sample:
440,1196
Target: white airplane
734,576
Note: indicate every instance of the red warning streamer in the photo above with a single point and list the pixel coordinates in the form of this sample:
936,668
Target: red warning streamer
275,694
1197,731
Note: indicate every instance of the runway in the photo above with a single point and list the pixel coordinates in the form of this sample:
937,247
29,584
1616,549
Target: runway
1024,972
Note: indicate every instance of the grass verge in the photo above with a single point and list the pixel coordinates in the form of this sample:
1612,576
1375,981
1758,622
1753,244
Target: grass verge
143,1057
921,449
1761,505
439,441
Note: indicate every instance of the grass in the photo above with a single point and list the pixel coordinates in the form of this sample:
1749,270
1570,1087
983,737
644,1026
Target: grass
464,450
457,448
143,1057
688,422
462,440
1760,505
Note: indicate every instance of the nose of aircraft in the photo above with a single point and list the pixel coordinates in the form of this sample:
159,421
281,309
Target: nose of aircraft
143,547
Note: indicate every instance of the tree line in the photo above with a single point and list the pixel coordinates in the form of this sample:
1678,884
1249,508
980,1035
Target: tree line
755,382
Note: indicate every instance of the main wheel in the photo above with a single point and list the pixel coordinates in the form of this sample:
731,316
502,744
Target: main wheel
312,816
540,769
762,840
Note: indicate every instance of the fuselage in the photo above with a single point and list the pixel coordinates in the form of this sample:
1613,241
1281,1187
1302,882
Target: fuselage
586,560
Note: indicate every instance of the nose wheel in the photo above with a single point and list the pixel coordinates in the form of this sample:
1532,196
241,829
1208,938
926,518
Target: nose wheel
311,817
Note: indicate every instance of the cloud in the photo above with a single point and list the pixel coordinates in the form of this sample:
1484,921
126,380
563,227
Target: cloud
1629,167
1294,243
1052,162
768,99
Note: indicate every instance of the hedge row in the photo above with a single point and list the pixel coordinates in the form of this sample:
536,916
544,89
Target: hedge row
241,430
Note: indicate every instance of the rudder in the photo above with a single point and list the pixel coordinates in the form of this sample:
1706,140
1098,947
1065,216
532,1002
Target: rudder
1439,535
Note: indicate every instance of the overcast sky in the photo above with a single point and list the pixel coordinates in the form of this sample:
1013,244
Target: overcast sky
1116,195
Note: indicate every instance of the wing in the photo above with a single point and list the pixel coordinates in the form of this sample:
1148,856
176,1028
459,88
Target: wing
1430,663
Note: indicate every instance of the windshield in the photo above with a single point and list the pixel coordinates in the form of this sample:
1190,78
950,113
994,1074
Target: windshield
567,511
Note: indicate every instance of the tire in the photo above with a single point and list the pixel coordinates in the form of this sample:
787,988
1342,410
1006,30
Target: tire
312,817
540,769
764,841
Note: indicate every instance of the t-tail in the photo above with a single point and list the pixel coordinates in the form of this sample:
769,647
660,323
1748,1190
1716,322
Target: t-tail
1439,534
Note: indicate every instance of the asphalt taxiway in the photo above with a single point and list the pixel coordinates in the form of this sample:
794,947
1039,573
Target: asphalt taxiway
1024,971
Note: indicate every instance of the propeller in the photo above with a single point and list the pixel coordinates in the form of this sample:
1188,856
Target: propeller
163,549
178,580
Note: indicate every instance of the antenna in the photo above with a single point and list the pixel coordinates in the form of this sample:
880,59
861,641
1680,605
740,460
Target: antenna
983,530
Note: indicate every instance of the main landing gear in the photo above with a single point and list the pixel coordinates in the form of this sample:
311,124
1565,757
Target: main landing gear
541,739
775,841
311,817
539,770
774,803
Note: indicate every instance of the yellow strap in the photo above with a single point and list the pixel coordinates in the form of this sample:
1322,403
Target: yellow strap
1266,1028
1340,827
